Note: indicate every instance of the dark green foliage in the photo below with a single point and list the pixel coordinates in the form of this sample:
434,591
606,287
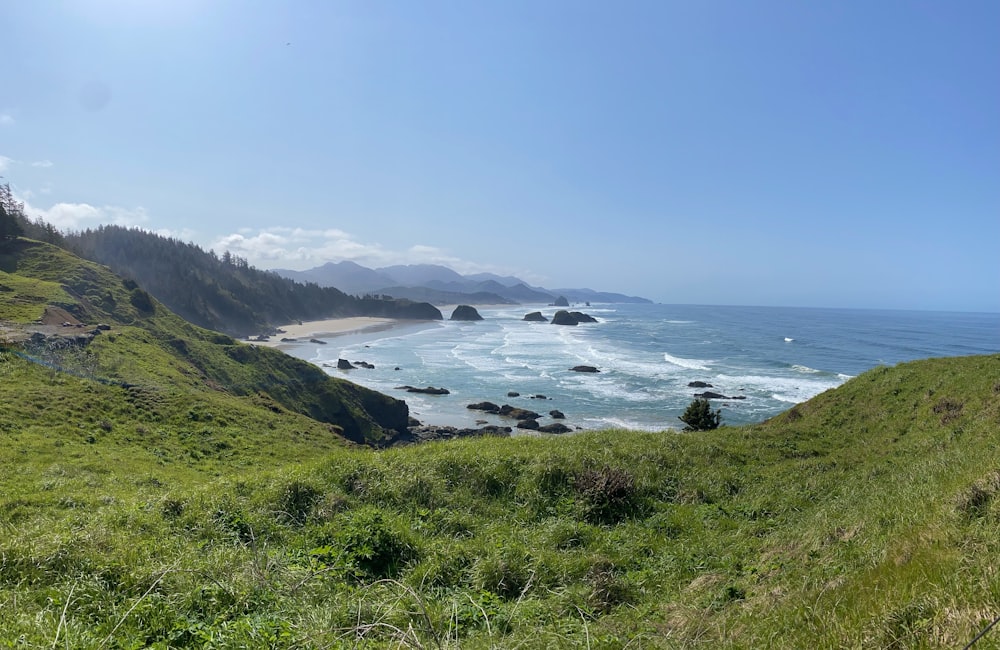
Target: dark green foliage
699,416
374,545
141,301
225,293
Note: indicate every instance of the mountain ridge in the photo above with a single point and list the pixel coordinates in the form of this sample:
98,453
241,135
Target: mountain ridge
450,285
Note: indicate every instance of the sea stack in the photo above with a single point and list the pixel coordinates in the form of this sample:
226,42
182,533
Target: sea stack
465,312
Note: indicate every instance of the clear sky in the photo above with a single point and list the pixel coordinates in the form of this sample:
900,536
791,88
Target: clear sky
763,152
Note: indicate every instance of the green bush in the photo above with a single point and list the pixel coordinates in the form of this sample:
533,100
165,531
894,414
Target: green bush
699,416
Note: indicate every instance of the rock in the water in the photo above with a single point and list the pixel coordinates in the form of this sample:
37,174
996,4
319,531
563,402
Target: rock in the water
488,407
699,384
536,316
465,312
563,317
513,394
555,427
584,369
430,433
430,390
518,414
539,397
561,302
556,414
344,364
711,395
364,364
317,341
527,424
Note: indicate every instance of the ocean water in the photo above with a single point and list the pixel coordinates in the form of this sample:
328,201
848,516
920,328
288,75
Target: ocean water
647,355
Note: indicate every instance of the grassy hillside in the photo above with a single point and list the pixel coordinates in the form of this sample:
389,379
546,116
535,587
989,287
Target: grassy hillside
866,517
159,357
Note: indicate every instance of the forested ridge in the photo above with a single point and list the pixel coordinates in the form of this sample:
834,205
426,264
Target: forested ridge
224,292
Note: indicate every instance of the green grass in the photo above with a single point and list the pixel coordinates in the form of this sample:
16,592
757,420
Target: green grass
166,487
867,517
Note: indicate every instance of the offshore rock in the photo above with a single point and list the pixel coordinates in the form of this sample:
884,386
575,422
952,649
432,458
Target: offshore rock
536,316
430,390
488,407
465,312
528,424
518,413
584,369
555,427
563,317
344,364
561,302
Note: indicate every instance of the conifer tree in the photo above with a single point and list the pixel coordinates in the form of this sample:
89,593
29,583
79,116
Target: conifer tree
699,416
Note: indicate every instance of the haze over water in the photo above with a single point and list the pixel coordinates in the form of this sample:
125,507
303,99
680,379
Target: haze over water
647,355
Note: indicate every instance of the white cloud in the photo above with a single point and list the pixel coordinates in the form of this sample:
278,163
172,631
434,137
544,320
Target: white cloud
184,234
5,163
74,216
298,248
42,163
6,119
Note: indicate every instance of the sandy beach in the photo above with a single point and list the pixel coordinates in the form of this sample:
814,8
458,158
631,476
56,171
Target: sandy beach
320,329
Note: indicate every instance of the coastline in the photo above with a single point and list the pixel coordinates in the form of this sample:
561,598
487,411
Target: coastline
303,332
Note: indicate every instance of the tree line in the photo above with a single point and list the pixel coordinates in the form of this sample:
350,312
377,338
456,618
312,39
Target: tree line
223,293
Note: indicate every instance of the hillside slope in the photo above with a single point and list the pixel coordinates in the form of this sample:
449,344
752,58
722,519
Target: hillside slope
866,517
150,350
225,293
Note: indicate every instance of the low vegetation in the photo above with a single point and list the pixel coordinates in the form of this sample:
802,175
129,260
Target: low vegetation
158,490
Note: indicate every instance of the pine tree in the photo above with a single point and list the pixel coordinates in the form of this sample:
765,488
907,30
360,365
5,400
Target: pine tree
10,210
699,416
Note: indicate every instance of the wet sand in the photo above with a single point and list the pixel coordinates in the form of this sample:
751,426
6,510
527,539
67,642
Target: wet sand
331,327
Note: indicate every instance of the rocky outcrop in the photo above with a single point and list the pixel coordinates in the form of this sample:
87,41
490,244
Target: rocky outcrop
536,317
561,302
488,407
466,313
364,364
584,369
555,427
344,364
430,433
563,317
430,390
556,414
699,384
711,395
513,393
528,424
517,413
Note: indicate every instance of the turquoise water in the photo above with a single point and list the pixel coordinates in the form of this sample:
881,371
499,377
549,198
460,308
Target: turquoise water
647,355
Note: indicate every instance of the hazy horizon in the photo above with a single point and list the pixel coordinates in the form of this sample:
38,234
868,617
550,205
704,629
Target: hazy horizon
768,153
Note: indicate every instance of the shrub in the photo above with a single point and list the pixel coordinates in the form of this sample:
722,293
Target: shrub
296,502
699,416
606,495
375,547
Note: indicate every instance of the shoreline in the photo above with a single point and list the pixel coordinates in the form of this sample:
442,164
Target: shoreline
303,332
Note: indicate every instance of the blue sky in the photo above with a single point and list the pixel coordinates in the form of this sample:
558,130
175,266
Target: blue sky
839,154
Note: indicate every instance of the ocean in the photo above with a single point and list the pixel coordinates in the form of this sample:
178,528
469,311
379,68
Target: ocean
647,355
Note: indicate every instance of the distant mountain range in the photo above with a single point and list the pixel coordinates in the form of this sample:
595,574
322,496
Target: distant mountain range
441,285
